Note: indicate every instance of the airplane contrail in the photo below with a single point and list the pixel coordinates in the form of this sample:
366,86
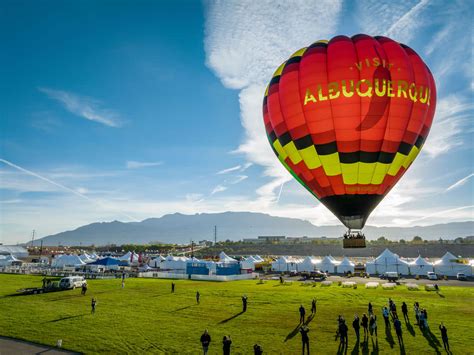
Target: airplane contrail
29,172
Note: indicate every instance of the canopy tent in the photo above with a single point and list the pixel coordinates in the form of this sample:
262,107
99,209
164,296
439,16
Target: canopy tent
130,257
67,260
345,266
175,263
107,261
14,250
226,259
258,258
7,260
385,262
420,266
450,265
328,264
286,264
86,258
310,263
156,262
248,263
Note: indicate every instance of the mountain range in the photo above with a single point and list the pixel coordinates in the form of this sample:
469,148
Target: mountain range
180,228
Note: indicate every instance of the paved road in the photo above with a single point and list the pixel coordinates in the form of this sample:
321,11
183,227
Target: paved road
9,346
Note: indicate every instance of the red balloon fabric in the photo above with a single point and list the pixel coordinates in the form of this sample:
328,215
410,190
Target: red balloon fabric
347,118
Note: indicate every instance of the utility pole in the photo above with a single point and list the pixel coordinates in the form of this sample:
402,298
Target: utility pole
41,248
32,237
215,235
192,249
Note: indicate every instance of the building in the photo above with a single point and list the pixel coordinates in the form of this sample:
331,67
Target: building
266,239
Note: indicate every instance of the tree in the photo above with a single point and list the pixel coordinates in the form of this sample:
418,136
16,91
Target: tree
417,240
402,241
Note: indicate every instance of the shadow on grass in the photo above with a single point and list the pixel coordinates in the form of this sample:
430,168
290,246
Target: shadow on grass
410,329
389,337
365,346
229,319
292,334
342,349
309,319
181,309
65,318
432,340
375,347
355,349
440,294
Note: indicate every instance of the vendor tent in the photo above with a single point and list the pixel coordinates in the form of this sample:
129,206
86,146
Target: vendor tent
345,266
328,264
420,266
450,265
226,259
7,260
174,263
286,264
107,262
156,262
248,263
131,258
385,262
67,260
310,263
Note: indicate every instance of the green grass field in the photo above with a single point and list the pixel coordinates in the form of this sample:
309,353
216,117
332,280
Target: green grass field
145,317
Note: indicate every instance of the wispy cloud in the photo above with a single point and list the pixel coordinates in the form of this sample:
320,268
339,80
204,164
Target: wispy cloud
131,164
238,179
218,188
76,191
229,170
459,182
245,42
84,107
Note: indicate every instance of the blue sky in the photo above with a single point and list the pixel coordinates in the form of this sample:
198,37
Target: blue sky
133,109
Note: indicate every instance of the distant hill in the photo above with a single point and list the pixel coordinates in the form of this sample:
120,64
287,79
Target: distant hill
180,228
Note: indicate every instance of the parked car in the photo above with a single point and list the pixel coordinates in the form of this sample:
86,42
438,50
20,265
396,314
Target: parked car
390,276
431,275
461,277
72,282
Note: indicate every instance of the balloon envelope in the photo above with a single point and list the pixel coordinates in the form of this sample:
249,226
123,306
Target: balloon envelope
347,117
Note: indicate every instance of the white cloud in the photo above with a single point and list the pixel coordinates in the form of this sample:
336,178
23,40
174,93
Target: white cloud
238,179
453,115
131,164
245,42
218,188
459,182
84,107
229,170
194,198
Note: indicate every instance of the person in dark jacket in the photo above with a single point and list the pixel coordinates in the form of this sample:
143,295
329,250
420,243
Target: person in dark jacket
373,325
343,332
365,324
198,297
370,309
313,306
172,287
257,350
205,341
302,314
444,336
226,343
405,312
398,329
244,303
93,305
304,338
356,326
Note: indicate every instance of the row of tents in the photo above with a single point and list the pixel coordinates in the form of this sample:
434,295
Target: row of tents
387,261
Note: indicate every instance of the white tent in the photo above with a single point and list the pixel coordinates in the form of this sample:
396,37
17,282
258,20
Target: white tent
310,263
67,260
131,258
420,266
248,263
7,260
86,258
174,263
450,265
286,264
258,258
345,266
387,261
328,264
226,259
156,262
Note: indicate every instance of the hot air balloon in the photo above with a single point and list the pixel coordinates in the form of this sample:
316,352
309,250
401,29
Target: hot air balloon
347,117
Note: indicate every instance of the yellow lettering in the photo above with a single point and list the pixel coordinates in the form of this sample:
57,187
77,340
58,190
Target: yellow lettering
367,62
377,87
368,93
333,90
309,97
402,88
424,100
376,61
359,65
390,89
321,97
344,89
412,92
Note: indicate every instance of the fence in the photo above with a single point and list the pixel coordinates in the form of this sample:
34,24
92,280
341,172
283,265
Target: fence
212,277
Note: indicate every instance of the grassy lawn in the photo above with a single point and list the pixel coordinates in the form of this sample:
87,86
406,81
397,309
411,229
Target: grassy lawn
145,317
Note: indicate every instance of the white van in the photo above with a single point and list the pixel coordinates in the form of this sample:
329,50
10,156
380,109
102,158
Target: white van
72,282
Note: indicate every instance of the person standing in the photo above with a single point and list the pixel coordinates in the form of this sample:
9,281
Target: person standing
244,303
172,287
302,314
84,289
386,315
205,341
398,329
343,332
373,325
356,326
226,343
313,306
304,338
198,297
93,304
257,350
370,309
444,336
405,312
365,324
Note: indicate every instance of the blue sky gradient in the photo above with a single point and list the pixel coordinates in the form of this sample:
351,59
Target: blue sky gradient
134,109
